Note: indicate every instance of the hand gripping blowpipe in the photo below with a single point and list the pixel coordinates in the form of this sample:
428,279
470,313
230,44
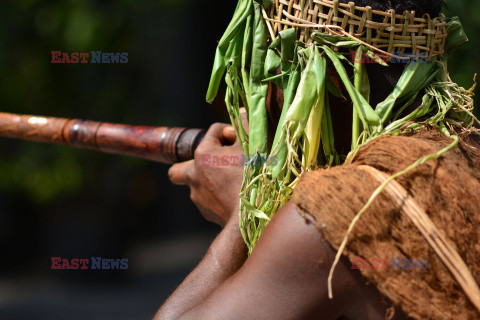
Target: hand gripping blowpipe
162,144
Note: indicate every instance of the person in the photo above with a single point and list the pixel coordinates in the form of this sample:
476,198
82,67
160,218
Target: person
286,275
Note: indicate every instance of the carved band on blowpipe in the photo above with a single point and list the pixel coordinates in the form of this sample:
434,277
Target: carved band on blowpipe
162,144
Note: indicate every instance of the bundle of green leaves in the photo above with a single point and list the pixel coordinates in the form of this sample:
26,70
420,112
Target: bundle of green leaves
304,138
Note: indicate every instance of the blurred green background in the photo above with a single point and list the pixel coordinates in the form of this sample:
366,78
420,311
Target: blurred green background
62,202
57,201
163,83
466,61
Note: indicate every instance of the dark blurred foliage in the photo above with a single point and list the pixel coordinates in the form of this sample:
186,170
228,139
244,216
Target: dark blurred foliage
170,53
464,63
171,46
57,201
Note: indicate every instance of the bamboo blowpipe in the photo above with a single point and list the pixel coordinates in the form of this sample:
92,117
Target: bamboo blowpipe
162,144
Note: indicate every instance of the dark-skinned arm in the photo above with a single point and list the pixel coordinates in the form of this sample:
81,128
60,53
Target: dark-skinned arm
214,190
225,256
284,278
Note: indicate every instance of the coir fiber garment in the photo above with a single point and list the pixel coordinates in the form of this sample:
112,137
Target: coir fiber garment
448,189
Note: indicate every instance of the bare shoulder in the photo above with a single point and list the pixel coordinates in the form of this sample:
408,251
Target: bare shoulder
299,259
286,278
332,198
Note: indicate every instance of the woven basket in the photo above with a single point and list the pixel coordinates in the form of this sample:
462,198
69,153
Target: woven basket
387,32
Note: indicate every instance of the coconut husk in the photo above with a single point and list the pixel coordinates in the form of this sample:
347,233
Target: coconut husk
446,189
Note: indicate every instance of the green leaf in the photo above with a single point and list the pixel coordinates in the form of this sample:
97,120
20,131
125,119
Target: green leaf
255,212
233,33
267,3
415,77
333,89
279,148
456,36
256,97
362,84
306,94
328,138
272,63
363,108
375,57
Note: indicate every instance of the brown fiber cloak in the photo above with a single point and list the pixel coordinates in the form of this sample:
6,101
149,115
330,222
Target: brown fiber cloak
448,189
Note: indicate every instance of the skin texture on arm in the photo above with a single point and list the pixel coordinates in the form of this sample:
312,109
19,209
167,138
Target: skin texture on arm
225,256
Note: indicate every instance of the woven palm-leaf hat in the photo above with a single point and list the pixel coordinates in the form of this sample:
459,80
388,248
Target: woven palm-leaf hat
388,32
